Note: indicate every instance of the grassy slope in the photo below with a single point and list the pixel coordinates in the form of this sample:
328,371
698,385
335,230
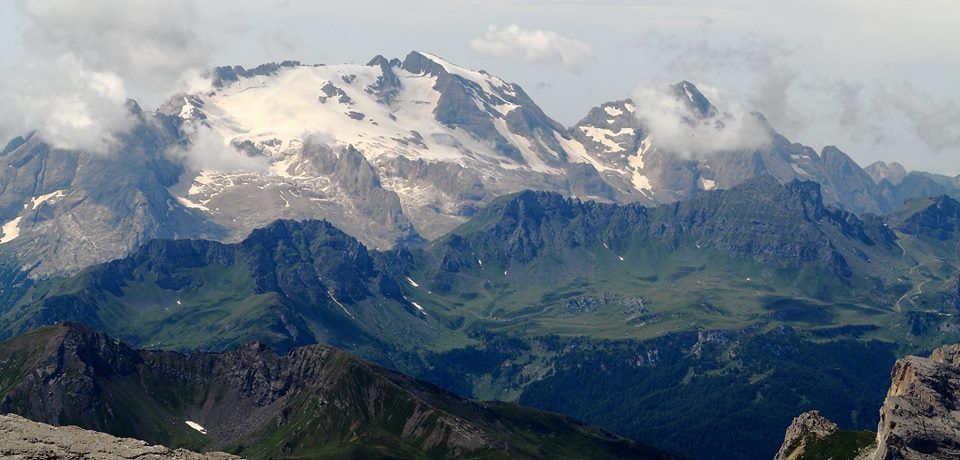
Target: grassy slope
685,289
841,445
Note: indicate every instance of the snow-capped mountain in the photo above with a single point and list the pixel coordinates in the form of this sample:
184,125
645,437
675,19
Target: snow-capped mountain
391,152
629,157
377,147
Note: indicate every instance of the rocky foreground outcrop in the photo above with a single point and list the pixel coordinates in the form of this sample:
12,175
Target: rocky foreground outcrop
22,439
919,419
807,427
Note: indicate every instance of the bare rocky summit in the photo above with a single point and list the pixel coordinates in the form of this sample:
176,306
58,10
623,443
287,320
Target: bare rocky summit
806,426
23,439
919,419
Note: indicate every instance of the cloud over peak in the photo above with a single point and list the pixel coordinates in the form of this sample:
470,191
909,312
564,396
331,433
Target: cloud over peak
82,60
536,46
676,125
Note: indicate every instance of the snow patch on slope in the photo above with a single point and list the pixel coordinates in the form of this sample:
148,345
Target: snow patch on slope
196,426
37,201
613,111
639,180
605,137
11,230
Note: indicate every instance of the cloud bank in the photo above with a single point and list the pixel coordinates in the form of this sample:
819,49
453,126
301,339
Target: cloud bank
676,127
536,46
81,61
209,150
863,116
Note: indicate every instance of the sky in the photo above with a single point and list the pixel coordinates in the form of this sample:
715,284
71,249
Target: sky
876,78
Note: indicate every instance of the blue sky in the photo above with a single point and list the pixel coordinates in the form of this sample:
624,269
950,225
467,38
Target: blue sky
876,78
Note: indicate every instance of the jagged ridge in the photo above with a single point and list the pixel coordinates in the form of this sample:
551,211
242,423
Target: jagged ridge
315,401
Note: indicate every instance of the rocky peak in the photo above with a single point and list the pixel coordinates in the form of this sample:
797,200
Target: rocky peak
933,217
949,354
690,95
892,172
14,144
806,426
388,85
417,62
920,418
225,75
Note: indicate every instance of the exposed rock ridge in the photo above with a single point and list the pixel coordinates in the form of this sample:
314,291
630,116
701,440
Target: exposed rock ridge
920,418
22,439
806,425
313,398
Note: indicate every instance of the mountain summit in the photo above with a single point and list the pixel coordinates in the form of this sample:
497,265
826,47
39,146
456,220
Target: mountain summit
393,152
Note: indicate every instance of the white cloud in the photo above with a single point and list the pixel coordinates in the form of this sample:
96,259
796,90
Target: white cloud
209,150
675,127
81,61
829,90
934,121
538,46
69,105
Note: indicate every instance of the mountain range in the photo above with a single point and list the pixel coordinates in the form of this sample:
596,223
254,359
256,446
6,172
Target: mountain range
748,290
392,152
433,221
314,402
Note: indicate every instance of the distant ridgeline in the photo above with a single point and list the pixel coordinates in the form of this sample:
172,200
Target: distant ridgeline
313,402
758,302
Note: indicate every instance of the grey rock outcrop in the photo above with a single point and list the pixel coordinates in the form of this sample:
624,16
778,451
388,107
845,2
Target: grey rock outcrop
23,439
920,418
806,426
63,210
892,172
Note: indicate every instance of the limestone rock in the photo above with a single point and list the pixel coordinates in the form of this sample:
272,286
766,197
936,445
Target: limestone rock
806,425
920,418
22,439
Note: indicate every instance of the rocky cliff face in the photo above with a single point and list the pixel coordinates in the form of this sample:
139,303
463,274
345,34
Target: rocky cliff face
919,419
22,439
63,210
934,217
892,172
759,219
809,427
